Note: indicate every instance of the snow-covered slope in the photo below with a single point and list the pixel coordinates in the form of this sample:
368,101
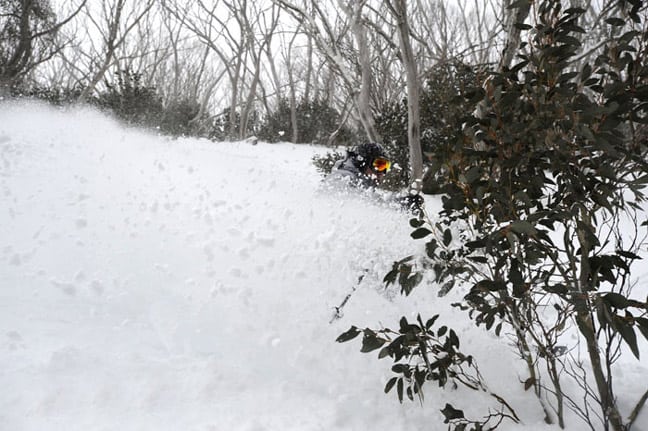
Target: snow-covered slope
157,284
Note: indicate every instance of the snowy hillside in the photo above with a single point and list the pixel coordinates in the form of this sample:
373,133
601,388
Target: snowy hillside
156,284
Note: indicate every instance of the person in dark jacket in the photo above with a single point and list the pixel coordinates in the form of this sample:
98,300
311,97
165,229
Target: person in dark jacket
364,167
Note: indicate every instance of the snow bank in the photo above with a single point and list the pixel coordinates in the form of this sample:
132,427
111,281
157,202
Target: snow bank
150,283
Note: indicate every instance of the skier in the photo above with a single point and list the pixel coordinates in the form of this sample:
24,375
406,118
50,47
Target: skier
364,167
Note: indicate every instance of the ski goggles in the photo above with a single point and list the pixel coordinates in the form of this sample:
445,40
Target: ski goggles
381,164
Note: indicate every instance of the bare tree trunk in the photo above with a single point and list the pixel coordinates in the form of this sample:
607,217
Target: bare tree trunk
292,91
309,68
399,9
293,111
585,324
364,57
513,32
274,75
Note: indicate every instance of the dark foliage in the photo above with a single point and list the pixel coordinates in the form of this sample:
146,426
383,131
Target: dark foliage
220,127
52,95
442,363
316,123
179,118
26,39
131,101
324,163
443,108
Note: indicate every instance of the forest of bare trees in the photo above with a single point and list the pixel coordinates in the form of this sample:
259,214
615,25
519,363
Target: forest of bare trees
233,62
241,56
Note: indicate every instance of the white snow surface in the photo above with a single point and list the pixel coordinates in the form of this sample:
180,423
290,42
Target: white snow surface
149,283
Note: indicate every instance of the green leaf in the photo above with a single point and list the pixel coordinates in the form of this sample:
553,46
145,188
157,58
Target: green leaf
420,376
400,368
628,254
523,226
616,22
390,384
568,41
498,329
454,340
410,395
559,289
416,223
520,4
390,277
478,259
567,76
421,232
616,300
529,383
442,331
515,276
473,174
446,288
371,342
430,248
586,72
420,321
409,283
489,285
481,243
447,237
404,325
628,335
348,335
522,26
604,314
641,180
575,11
399,390
431,321
520,289
384,352
450,413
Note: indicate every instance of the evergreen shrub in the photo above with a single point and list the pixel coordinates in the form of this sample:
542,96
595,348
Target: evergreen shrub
316,122
131,101
443,108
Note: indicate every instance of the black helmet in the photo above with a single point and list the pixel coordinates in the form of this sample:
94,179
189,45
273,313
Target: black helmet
364,154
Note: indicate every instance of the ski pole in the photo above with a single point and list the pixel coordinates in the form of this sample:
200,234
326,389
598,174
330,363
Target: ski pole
338,310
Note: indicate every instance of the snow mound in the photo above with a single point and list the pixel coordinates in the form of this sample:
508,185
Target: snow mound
153,283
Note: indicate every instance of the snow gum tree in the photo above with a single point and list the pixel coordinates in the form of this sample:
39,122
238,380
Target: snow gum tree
546,171
28,37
